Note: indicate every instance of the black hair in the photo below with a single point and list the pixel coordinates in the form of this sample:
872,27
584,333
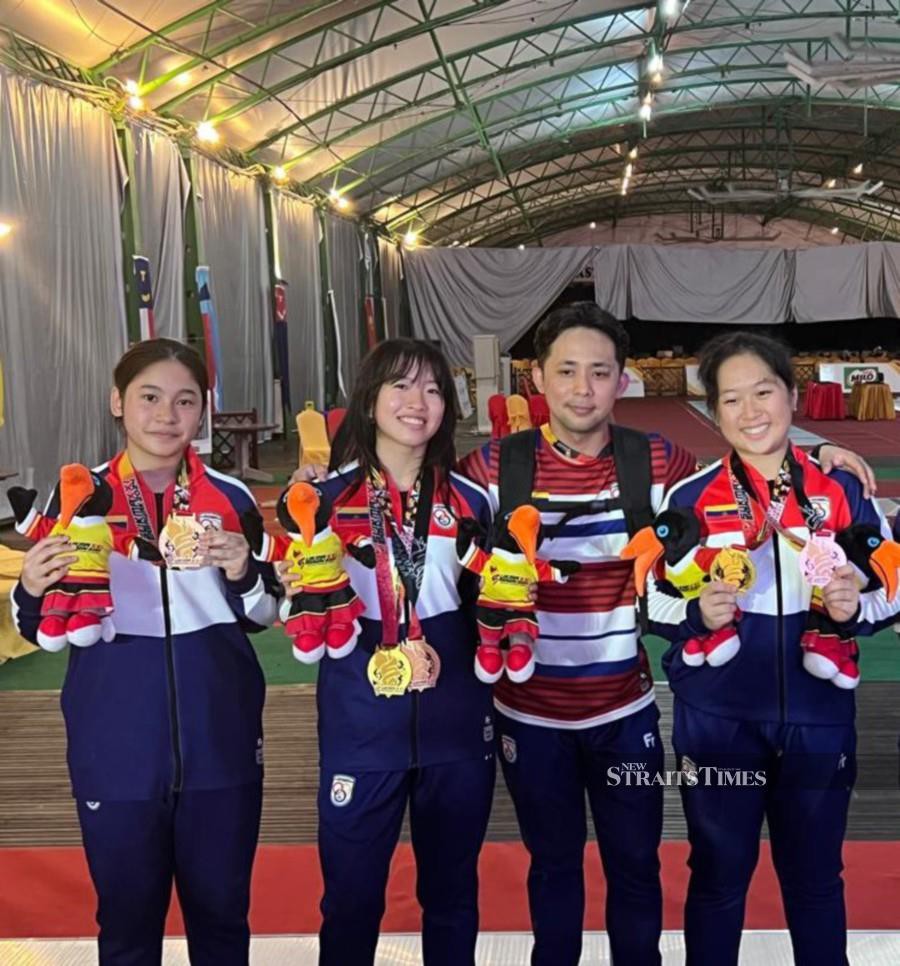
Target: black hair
144,354
776,355
579,315
390,360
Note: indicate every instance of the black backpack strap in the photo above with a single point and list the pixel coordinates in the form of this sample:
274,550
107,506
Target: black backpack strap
634,473
515,474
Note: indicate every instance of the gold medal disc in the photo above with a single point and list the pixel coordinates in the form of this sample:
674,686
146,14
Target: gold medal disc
179,542
389,672
734,566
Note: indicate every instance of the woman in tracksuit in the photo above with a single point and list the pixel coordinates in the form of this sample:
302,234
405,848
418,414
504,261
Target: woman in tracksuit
403,721
759,736
164,721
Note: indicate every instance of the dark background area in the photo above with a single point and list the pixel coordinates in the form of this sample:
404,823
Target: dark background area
647,338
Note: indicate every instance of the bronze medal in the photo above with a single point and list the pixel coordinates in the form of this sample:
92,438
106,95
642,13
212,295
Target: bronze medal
734,566
179,542
389,672
425,664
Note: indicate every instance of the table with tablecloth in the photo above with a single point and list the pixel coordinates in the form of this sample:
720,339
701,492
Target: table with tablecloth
824,400
871,400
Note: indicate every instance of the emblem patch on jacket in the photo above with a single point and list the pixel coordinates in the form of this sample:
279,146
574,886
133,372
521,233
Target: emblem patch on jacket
342,790
508,746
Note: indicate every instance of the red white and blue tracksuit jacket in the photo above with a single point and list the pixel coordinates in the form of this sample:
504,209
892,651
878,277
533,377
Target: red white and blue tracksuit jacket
174,702
361,732
766,681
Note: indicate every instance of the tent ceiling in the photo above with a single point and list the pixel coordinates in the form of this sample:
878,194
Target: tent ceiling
504,121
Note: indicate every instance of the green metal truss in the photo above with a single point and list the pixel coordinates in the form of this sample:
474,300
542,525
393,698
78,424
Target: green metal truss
488,133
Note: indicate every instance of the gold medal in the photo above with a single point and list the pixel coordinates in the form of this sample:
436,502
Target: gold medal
179,542
389,672
734,566
425,664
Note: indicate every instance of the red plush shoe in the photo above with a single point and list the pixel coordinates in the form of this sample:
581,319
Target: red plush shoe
823,655
519,663
720,646
341,639
308,648
83,630
692,652
51,633
488,663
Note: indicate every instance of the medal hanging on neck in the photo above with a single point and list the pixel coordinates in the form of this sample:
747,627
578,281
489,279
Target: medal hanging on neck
179,536
400,533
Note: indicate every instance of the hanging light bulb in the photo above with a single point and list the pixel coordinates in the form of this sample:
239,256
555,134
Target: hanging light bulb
629,168
593,226
835,230
343,203
633,153
411,238
279,174
655,63
625,186
669,8
5,229
183,79
858,169
136,103
207,132
831,183
131,87
645,111
521,248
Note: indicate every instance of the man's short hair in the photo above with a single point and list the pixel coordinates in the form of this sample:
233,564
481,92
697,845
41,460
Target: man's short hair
579,315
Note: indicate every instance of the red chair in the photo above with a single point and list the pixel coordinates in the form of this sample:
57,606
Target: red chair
538,409
333,419
497,415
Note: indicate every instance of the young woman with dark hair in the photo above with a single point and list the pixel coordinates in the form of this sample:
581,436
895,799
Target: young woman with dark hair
763,734
164,720
403,721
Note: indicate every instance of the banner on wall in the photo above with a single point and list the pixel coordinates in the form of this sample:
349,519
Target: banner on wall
210,336
144,288
281,342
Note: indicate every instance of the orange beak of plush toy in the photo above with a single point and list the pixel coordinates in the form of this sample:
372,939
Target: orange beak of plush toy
645,549
524,525
885,562
302,504
76,487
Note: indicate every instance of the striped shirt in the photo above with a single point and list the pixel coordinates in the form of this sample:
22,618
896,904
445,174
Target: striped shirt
590,668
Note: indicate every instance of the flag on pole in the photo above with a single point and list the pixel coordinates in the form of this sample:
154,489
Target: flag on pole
281,343
210,337
144,287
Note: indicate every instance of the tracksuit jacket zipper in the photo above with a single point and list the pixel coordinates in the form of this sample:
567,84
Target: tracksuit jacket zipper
779,627
174,725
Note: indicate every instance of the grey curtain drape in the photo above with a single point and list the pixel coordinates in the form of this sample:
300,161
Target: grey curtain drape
162,187
701,285
345,253
296,227
831,284
62,315
233,242
884,279
456,293
611,290
391,266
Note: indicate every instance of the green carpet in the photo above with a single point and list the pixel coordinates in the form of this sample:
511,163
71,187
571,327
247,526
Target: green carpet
42,671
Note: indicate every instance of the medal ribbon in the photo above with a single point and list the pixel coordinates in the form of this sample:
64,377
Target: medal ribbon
137,507
789,480
408,541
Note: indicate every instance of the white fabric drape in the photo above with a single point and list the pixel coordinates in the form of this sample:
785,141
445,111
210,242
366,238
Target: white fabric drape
296,228
162,187
456,293
233,242
62,308
345,253
391,286
884,279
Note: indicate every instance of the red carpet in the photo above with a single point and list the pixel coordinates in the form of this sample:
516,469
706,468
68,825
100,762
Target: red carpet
47,893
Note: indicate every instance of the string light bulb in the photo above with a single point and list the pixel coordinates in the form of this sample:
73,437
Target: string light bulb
835,230
629,168
136,103
645,112
5,230
279,174
669,9
655,63
831,182
183,79
411,239
858,169
633,153
521,248
593,226
131,87
207,132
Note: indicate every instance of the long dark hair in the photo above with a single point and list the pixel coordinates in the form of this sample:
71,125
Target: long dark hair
389,360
